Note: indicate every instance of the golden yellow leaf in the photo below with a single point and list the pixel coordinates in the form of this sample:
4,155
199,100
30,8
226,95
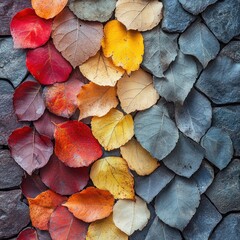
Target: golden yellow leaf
94,100
125,47
105,229
139,15
113,130
136,92
101,70
112,174
138,158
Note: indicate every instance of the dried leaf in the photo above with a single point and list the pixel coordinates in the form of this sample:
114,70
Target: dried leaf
27,234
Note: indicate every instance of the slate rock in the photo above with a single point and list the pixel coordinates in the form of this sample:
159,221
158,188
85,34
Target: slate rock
14,213
12,62
204,176
228,119
199,42
232,50
196,6
8,119
43,235
175,18
224,192
7,10
10,172
203,222
223,19
229,228
220,80
147,187
218,147
160,49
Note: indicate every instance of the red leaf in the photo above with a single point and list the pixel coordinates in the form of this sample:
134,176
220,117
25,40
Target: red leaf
75,144
32,186
47,65
64,226
62,179
45,125
28,30
30,149
28,234
28,101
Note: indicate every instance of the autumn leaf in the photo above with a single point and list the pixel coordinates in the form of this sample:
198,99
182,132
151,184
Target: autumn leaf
136,92
28,30
28,101
94,100
113,130
47,65
139,15
48,9
138,158
30,149
42,206
77,40
64,226
75,145
124,47
105,229
90,204
28,234
101,70
112,174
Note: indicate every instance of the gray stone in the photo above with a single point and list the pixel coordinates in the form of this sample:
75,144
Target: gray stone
196,6
14,214
229,228
223,19
218,147
232,50
12,62
224,192
175,18
10,172
228,119
203,222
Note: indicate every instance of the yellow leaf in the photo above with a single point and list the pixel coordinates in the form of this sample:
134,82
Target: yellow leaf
138,158
94,100
136,92
113,130
101,70
105,229
139,15
125,47
112,174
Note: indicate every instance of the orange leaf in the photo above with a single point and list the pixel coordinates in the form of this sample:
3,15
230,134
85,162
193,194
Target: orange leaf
94,100
42,206
90,204
48,9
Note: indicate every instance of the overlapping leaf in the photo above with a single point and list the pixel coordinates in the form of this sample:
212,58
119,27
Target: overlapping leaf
28,234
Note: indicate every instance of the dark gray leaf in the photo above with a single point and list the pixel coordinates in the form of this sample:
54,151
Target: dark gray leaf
178,80
193,118
186,157
176,204
203,222
224,192
160,50
93,10
156,132
159,230
199,42
148,187
167,107
218,147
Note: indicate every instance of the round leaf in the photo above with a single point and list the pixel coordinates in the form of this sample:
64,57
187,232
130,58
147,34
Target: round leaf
28,234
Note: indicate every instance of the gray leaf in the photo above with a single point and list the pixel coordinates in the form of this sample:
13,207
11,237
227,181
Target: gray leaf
167,107
156,132
199,42
176,204
193,118
186,157
160,50
178,80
